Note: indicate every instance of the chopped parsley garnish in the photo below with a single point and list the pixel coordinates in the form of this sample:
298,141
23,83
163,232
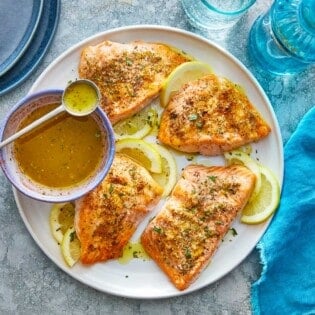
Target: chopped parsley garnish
187,253
157,229
208,232
192,117
111,188
72,235
128,61
212,178
233,231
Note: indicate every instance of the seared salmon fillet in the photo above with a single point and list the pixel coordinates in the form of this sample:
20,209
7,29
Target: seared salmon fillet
129,75
211,115
106,218
185,234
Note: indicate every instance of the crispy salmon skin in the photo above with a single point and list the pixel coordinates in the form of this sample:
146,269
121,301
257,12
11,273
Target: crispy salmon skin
210,116
107,217
185,234
129,75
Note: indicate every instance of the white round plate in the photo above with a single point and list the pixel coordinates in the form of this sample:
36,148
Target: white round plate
138,278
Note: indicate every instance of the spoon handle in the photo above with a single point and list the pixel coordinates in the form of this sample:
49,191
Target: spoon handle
33,125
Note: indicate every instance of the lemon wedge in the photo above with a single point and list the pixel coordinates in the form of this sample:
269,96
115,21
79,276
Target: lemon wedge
70,247
266,202
240,157
137,126
184,73
168,177
60,219
141,151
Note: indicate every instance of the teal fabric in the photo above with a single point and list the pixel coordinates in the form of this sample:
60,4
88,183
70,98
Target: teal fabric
287,249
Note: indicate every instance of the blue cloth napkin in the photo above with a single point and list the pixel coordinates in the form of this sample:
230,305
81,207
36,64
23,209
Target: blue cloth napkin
287,249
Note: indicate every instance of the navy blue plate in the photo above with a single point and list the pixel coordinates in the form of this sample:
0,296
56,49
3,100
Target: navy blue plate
37,48
19,21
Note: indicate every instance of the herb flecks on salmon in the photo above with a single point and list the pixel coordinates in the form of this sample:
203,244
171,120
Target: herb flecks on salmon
210,116
129,75
107,217
185,234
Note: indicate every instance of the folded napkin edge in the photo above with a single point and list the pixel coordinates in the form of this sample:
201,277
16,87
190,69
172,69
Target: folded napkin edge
262,294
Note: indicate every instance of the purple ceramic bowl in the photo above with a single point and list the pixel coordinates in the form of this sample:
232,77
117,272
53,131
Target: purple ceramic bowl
25,184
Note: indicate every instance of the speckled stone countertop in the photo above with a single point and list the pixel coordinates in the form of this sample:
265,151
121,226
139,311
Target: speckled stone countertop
30,282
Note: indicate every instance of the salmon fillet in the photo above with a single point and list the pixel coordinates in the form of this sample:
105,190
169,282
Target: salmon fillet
185,234
129,75
106,218
211,115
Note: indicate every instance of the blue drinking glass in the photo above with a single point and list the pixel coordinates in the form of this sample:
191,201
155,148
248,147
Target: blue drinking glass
283,40
215,14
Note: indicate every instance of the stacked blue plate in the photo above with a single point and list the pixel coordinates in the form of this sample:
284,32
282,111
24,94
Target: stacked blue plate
27,28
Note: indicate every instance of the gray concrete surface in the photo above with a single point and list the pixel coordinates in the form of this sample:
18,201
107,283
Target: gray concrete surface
30,282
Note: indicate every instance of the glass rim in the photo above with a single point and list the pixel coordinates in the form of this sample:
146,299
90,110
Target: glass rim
235,12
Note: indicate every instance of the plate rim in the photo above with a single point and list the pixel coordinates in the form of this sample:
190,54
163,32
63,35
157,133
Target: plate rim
278,136
41,48
26,39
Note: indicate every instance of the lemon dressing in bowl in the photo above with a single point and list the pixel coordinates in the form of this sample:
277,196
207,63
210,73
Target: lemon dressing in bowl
81,97
61,152
62,158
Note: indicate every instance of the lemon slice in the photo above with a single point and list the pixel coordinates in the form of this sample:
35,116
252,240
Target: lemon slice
184,73
137,126
70,247
141,151
266,202
167,179
240,157
60,219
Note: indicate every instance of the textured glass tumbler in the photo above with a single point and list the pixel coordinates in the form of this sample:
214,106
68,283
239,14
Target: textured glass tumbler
215,14
283,40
